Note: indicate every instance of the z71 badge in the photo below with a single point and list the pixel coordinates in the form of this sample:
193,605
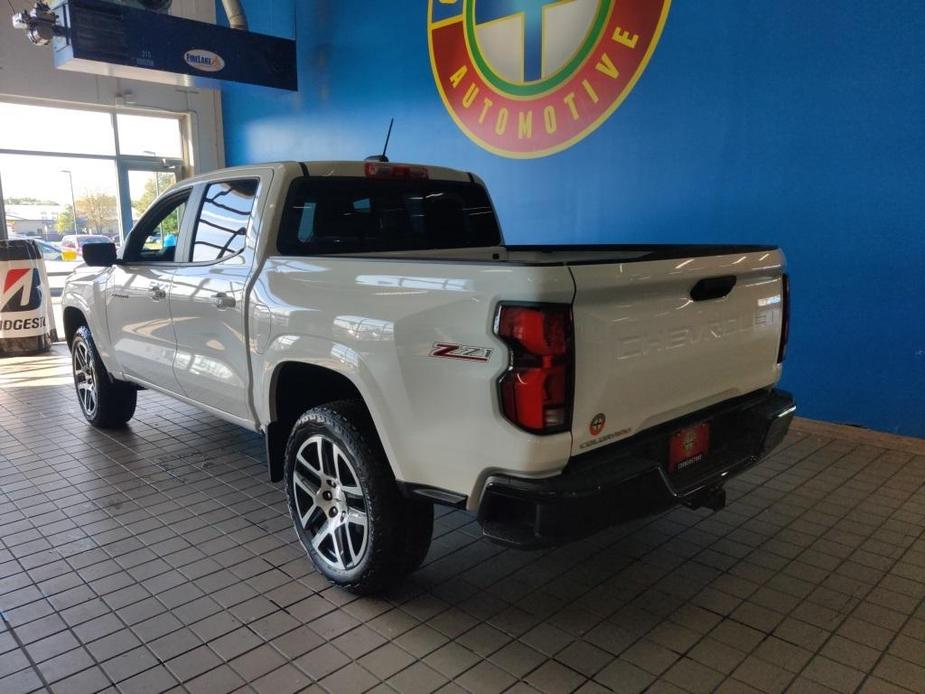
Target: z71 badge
464,352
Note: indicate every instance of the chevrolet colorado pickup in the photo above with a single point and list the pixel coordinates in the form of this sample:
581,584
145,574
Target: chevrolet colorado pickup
368,319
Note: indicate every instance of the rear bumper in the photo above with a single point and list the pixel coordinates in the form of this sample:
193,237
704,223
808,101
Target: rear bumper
629,479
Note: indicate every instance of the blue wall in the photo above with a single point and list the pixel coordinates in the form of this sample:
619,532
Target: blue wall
795,123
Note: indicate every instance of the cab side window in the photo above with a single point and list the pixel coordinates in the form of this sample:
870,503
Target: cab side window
155,238
221,229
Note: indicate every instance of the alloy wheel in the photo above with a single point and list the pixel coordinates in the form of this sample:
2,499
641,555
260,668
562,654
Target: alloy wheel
330,503
85,379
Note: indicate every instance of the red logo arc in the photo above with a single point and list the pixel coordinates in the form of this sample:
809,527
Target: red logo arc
527,119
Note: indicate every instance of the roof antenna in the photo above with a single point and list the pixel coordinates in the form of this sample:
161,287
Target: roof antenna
381,158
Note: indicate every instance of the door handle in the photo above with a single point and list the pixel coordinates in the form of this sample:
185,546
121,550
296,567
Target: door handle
157,294
223,301
713,288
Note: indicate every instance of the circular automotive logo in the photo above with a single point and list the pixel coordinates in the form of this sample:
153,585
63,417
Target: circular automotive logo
597,424
528,78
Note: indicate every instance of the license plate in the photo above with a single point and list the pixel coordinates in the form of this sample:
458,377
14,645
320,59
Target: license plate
688,447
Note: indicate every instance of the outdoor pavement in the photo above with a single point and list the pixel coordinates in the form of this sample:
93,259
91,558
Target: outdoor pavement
160,558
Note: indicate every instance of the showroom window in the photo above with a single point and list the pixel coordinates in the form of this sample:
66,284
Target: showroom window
108,166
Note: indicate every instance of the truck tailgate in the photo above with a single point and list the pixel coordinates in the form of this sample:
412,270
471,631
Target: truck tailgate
655,340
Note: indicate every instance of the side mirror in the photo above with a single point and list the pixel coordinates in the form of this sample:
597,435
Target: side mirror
100,254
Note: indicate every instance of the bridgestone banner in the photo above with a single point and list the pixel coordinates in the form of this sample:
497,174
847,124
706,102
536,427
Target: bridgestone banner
24,308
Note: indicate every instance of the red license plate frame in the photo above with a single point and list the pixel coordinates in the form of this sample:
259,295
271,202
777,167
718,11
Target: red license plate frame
688,446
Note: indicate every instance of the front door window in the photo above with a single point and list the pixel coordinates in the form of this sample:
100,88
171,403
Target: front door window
155,238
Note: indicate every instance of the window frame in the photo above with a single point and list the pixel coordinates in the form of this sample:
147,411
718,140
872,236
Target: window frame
183,167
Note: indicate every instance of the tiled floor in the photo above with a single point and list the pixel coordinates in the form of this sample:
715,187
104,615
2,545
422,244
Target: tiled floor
159,557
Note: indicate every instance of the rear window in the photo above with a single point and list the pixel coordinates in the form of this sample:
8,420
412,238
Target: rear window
221,229
358,215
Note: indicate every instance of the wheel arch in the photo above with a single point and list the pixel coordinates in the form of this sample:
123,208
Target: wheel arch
294,388
74,319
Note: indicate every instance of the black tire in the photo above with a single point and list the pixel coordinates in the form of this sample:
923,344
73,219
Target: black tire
335,448
113,402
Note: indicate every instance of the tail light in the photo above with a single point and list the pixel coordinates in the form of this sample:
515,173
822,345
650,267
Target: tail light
785,317
536,391
382,170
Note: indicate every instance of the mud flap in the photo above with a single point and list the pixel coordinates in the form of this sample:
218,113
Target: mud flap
275,438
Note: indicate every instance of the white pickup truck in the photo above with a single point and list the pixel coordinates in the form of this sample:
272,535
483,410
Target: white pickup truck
368,320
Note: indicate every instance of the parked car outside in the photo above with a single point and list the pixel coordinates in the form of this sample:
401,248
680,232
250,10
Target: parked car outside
72,245
50,251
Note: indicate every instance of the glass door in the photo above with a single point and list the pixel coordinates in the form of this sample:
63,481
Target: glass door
144,182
